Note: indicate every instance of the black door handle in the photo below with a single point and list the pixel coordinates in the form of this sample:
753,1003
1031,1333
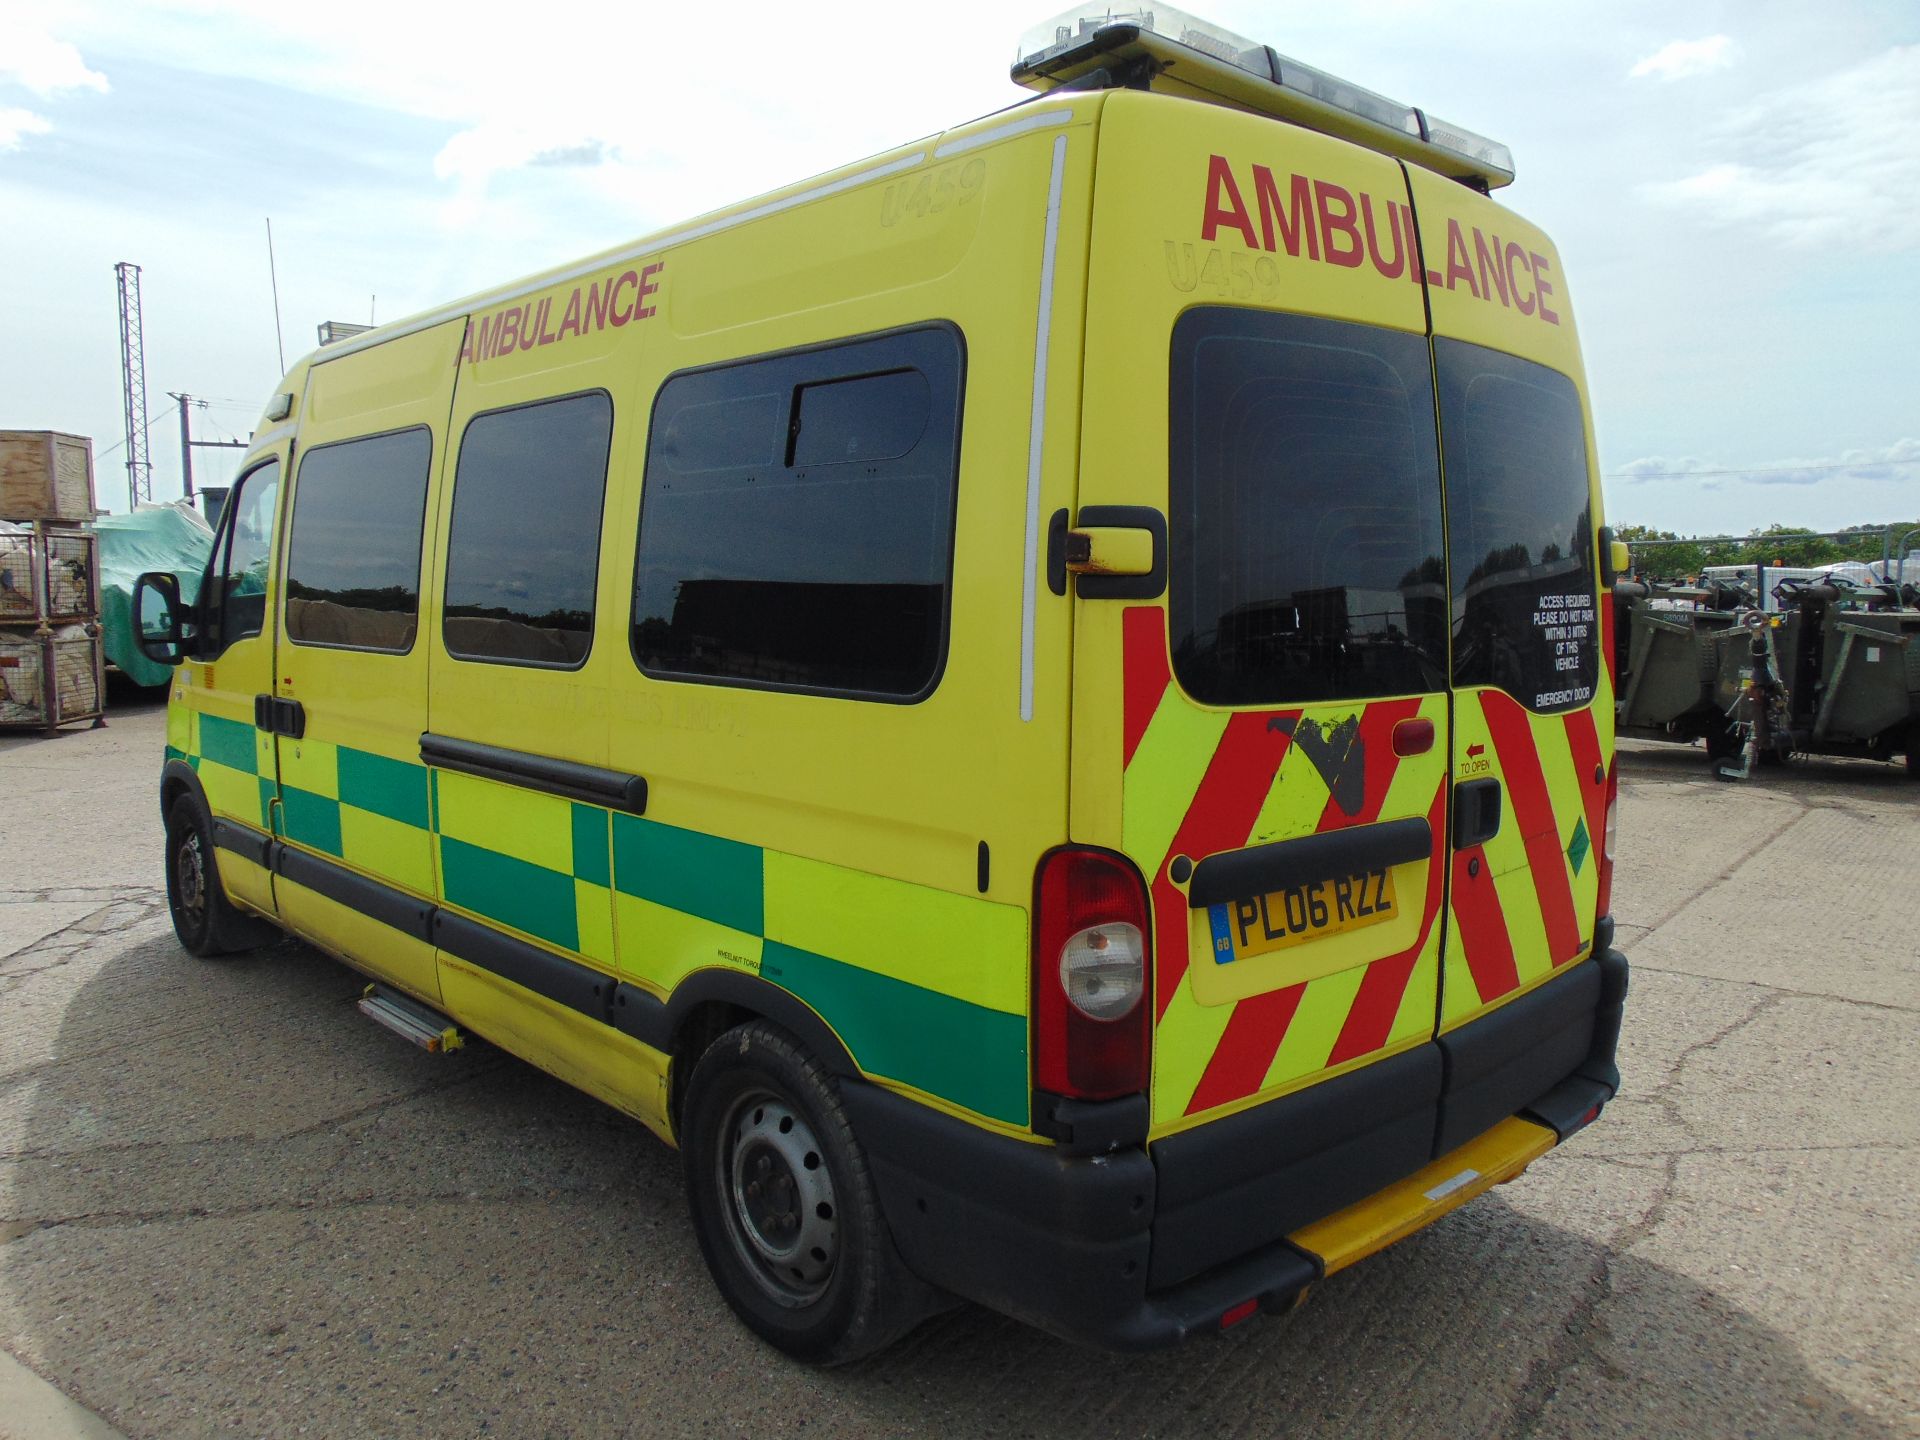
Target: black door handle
279,716
1476,812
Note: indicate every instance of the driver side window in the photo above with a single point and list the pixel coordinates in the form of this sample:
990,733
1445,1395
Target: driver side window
237,602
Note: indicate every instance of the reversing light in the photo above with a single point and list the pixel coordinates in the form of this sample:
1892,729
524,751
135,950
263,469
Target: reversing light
1103,970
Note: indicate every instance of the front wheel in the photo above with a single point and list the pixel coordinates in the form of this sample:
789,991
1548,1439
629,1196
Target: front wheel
203,917
784,1206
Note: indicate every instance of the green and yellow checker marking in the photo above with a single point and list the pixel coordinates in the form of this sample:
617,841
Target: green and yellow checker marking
233,760
369,810
925,987
538,863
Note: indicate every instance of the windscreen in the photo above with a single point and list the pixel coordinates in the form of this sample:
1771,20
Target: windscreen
1519,528
1306,534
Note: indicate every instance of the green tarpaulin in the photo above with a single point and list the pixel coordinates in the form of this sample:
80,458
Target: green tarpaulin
154,537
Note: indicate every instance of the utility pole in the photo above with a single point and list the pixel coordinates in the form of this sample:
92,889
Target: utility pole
188,443
133,385
186,448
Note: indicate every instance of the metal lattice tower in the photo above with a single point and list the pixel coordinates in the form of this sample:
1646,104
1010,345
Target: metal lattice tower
133,385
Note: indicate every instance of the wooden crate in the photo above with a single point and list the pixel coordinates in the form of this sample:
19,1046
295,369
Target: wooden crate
45,475
51,677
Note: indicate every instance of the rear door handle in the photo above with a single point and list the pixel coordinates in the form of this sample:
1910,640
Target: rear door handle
1476,812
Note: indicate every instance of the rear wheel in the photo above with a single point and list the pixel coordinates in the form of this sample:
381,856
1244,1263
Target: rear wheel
1723,739
783,1204
204,919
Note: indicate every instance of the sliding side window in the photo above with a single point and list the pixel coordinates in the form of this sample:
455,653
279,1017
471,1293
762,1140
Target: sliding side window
796,526
523,547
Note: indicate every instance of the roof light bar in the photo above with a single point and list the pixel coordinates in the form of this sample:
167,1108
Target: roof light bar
1184,54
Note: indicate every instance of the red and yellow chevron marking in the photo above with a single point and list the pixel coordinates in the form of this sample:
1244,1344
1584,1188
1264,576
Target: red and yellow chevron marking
1521,905
1199,782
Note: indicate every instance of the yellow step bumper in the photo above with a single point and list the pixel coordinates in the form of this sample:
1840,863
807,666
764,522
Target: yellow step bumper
1396,1212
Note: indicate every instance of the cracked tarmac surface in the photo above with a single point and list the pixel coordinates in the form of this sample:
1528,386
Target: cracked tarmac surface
230,1206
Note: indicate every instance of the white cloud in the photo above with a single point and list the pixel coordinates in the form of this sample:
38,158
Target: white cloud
1885,463
1685,58
16,124
42,64
1830,161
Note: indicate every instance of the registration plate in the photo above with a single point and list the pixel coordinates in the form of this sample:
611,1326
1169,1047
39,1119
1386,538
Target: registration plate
1245,928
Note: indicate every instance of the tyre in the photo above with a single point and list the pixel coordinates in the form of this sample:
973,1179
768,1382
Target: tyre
1723,739
784,1206
204,919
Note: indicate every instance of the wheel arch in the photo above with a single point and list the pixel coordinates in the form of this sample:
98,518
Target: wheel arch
708,1003
178,778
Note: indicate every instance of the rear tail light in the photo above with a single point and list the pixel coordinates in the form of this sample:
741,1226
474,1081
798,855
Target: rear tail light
1091,974
1607,843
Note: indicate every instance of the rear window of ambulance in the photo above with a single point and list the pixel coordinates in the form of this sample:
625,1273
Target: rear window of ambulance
1305,511
1519,528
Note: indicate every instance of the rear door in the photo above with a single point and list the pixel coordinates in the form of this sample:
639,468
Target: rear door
1533,701
1266,734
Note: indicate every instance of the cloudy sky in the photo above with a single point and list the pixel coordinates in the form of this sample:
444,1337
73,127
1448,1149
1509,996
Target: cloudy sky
1735,190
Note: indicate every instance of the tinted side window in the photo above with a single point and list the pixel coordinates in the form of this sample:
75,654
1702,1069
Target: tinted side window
523,547
796,525
1520,528
244,547
1305,511
353,561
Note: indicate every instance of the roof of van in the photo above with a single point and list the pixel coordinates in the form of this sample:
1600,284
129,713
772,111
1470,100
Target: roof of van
1039,113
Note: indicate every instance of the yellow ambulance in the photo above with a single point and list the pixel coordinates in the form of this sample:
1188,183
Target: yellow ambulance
1038,705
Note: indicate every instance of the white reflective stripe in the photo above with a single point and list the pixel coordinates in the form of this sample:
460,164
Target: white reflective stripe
271,438
1447,1187
1041,121
650,245
1037,427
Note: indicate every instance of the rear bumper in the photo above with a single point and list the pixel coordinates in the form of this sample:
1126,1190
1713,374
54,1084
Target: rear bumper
1144,1246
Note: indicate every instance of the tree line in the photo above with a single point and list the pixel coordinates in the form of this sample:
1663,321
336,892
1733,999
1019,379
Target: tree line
1775,545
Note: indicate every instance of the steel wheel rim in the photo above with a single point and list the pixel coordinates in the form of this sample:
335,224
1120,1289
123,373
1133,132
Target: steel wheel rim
190,870
782,1214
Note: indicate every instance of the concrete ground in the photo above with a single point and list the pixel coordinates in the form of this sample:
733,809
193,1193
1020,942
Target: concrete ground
231,1206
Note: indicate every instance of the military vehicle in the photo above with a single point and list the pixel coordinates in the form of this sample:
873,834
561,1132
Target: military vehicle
1834,671
1666,662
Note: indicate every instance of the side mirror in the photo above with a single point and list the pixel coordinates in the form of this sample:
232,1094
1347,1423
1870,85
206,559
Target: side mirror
160,618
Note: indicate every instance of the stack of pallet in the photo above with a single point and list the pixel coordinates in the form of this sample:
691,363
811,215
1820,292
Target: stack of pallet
52,672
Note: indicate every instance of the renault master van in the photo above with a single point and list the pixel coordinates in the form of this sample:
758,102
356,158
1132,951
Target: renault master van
1037,705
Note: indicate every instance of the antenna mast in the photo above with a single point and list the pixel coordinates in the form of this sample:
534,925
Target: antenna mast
273,273
133,385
